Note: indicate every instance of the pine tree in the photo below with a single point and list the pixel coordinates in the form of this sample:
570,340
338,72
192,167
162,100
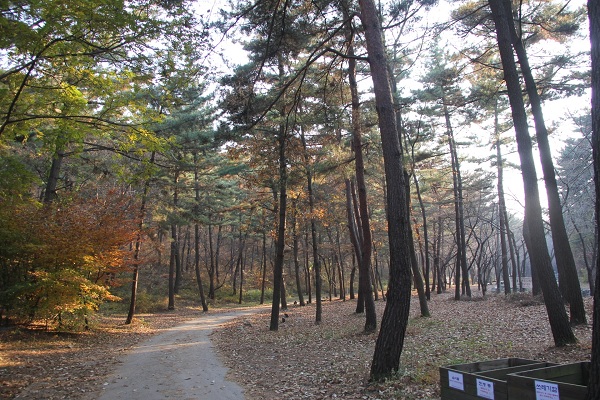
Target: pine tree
538,251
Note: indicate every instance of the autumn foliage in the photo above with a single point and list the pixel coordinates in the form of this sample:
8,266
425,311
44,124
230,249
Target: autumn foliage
59,260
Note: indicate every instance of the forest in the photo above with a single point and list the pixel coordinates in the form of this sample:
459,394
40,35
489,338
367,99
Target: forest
279,152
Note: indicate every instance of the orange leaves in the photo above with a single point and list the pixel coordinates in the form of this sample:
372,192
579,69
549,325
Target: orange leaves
86,234
62,255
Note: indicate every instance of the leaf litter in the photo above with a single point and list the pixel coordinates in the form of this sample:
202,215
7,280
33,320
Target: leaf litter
301,360
332,360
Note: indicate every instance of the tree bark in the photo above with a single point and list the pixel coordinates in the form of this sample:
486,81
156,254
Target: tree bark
197,238
418,279
280,244
360,302
502,210
295,249
241,283
307,267
362,217
240,264
264,266
352,273
538,250
340,265
511,252
441,287
174,258
315,251
390,341
171,305
53,176
137,248
425,237
313,231
594,20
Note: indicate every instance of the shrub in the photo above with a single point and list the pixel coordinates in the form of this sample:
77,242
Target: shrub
59,258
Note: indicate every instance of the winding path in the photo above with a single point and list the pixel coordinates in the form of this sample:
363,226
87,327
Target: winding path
179,363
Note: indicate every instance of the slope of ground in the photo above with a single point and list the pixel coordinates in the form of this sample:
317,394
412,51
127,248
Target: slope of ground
331,360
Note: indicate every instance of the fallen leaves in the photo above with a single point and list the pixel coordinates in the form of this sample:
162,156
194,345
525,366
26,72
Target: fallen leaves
332,360
302,360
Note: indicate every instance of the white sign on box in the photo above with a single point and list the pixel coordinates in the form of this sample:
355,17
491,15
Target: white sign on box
455,380
546,391
485,389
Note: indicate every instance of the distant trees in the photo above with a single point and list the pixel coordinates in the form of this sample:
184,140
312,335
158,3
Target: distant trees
575,173
441,86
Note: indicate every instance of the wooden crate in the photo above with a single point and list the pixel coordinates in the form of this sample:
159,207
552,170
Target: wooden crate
560,382
482,380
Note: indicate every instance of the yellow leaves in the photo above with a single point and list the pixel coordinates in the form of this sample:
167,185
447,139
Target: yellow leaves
65,290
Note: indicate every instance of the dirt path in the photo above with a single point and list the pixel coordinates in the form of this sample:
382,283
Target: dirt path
178,364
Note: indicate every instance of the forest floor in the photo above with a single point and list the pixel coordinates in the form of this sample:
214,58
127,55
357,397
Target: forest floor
300,361
332,360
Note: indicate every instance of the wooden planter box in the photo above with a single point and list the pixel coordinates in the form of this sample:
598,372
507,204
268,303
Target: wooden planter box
482,380
560,382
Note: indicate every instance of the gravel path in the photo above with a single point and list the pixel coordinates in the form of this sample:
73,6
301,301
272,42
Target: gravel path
179,363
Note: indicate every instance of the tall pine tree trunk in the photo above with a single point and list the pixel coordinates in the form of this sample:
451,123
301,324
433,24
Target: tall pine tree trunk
390,341
295,249
174,257
593,392
211,270
280,243
357,244
538,250
313,232
352,275
501,207
171,305
197,237
178,262
137,248
263,266
425,236
342,274
307,267
441,287
418,279
362,219
461,244
565,262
